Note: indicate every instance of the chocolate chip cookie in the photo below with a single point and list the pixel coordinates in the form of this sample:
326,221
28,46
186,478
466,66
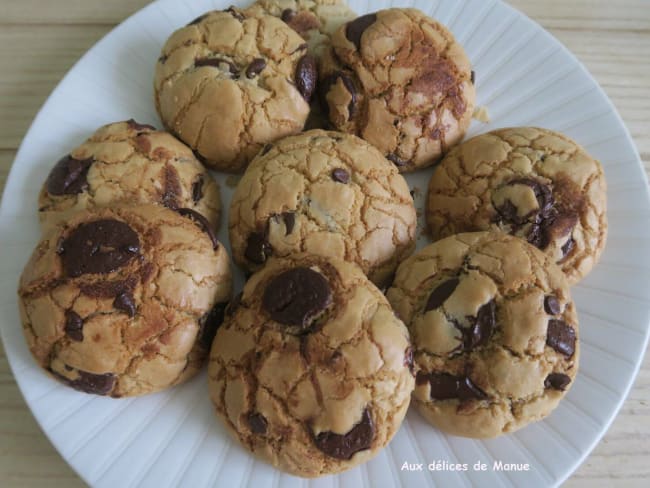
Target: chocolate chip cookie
494,332
125,301
127,162
325,193
533,183
232,81
398,79
311,369
314,20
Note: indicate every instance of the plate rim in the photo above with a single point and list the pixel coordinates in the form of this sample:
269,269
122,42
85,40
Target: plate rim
5,218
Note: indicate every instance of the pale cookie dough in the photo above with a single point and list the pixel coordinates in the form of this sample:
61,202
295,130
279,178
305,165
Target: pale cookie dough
398,79
125,301
533,183
231,81
325,193
311,370
494,332
127,162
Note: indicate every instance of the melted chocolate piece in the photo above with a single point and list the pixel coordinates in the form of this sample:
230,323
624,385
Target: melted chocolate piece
73,326
440,294
139,127
257,423
107,289
306,76
396,160
255,68
258,248
355,28
98,384
561,337
211,323
289,221
202,222
567,248
557,381
287,15
101,246
126,303
445,386
344,446
172,187
197,189
296,296
479,333
341,176
68,177
552,305
235,13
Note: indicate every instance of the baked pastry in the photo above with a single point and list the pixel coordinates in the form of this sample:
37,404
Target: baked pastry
324,193
533,183
398,79
310,369
127,162
494,332
125,301
232,81
314,20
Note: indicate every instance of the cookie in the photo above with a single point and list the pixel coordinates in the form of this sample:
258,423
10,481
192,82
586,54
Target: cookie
125,301
232,81
127,162
325,193
533,183
494,332
398,79
314,20
311,369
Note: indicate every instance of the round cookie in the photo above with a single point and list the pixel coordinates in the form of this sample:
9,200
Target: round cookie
127,162
398,79
533,183
125,301
325,193
494,332
314,20
311,370
231,81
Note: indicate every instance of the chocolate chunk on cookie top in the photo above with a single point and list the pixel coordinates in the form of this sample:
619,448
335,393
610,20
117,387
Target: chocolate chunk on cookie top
398,79
326,193
494,332
128,163
232,82
529,182
124,301
311,370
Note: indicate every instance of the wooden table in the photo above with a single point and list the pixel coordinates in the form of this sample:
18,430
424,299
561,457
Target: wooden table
41,39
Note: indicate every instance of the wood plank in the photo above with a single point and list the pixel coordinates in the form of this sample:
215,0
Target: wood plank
32,12
34,60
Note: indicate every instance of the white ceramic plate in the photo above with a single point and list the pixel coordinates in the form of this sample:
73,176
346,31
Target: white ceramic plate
525,77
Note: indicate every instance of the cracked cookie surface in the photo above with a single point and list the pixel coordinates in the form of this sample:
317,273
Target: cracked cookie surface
494,332
311,369
314,20
325,193
398,79
534,183
125,301
231,81
127,162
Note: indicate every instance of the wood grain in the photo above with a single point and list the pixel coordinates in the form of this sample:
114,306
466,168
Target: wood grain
40,40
